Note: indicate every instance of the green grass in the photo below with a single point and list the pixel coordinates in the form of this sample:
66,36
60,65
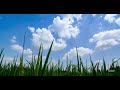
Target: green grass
38,68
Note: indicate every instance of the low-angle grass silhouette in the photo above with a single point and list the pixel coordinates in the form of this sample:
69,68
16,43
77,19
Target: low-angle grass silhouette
38,68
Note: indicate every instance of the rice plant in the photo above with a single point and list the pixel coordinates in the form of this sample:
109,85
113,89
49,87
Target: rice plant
39,68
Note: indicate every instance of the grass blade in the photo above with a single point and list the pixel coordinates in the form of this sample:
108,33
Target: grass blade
46,60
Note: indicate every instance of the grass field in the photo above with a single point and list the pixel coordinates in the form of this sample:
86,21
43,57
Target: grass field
36,68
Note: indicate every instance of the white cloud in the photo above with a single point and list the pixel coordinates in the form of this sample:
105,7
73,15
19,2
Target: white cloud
106,44
64,26
81,51
19,49
106,39
32,29
28,52
43,35
93,15
110,17
13,40
7,59
117,21
29,57
58,46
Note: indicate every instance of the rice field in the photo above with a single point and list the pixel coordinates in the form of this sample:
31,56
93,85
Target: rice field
38,68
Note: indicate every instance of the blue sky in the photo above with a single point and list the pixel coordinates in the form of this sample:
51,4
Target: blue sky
94,34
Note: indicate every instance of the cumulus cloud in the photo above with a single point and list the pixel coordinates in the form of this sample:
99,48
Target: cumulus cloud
32,29
27,51
13,40
107,39
110,17
7,59
19,49
117,21
106,44
64,27
59,44
81,51
43,35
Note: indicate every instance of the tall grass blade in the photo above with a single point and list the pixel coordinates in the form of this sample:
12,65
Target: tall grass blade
78,60
47,58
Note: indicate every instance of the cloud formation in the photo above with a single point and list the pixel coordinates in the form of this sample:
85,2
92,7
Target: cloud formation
64,27
18,48
107,39
81,51
110,17
45,37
